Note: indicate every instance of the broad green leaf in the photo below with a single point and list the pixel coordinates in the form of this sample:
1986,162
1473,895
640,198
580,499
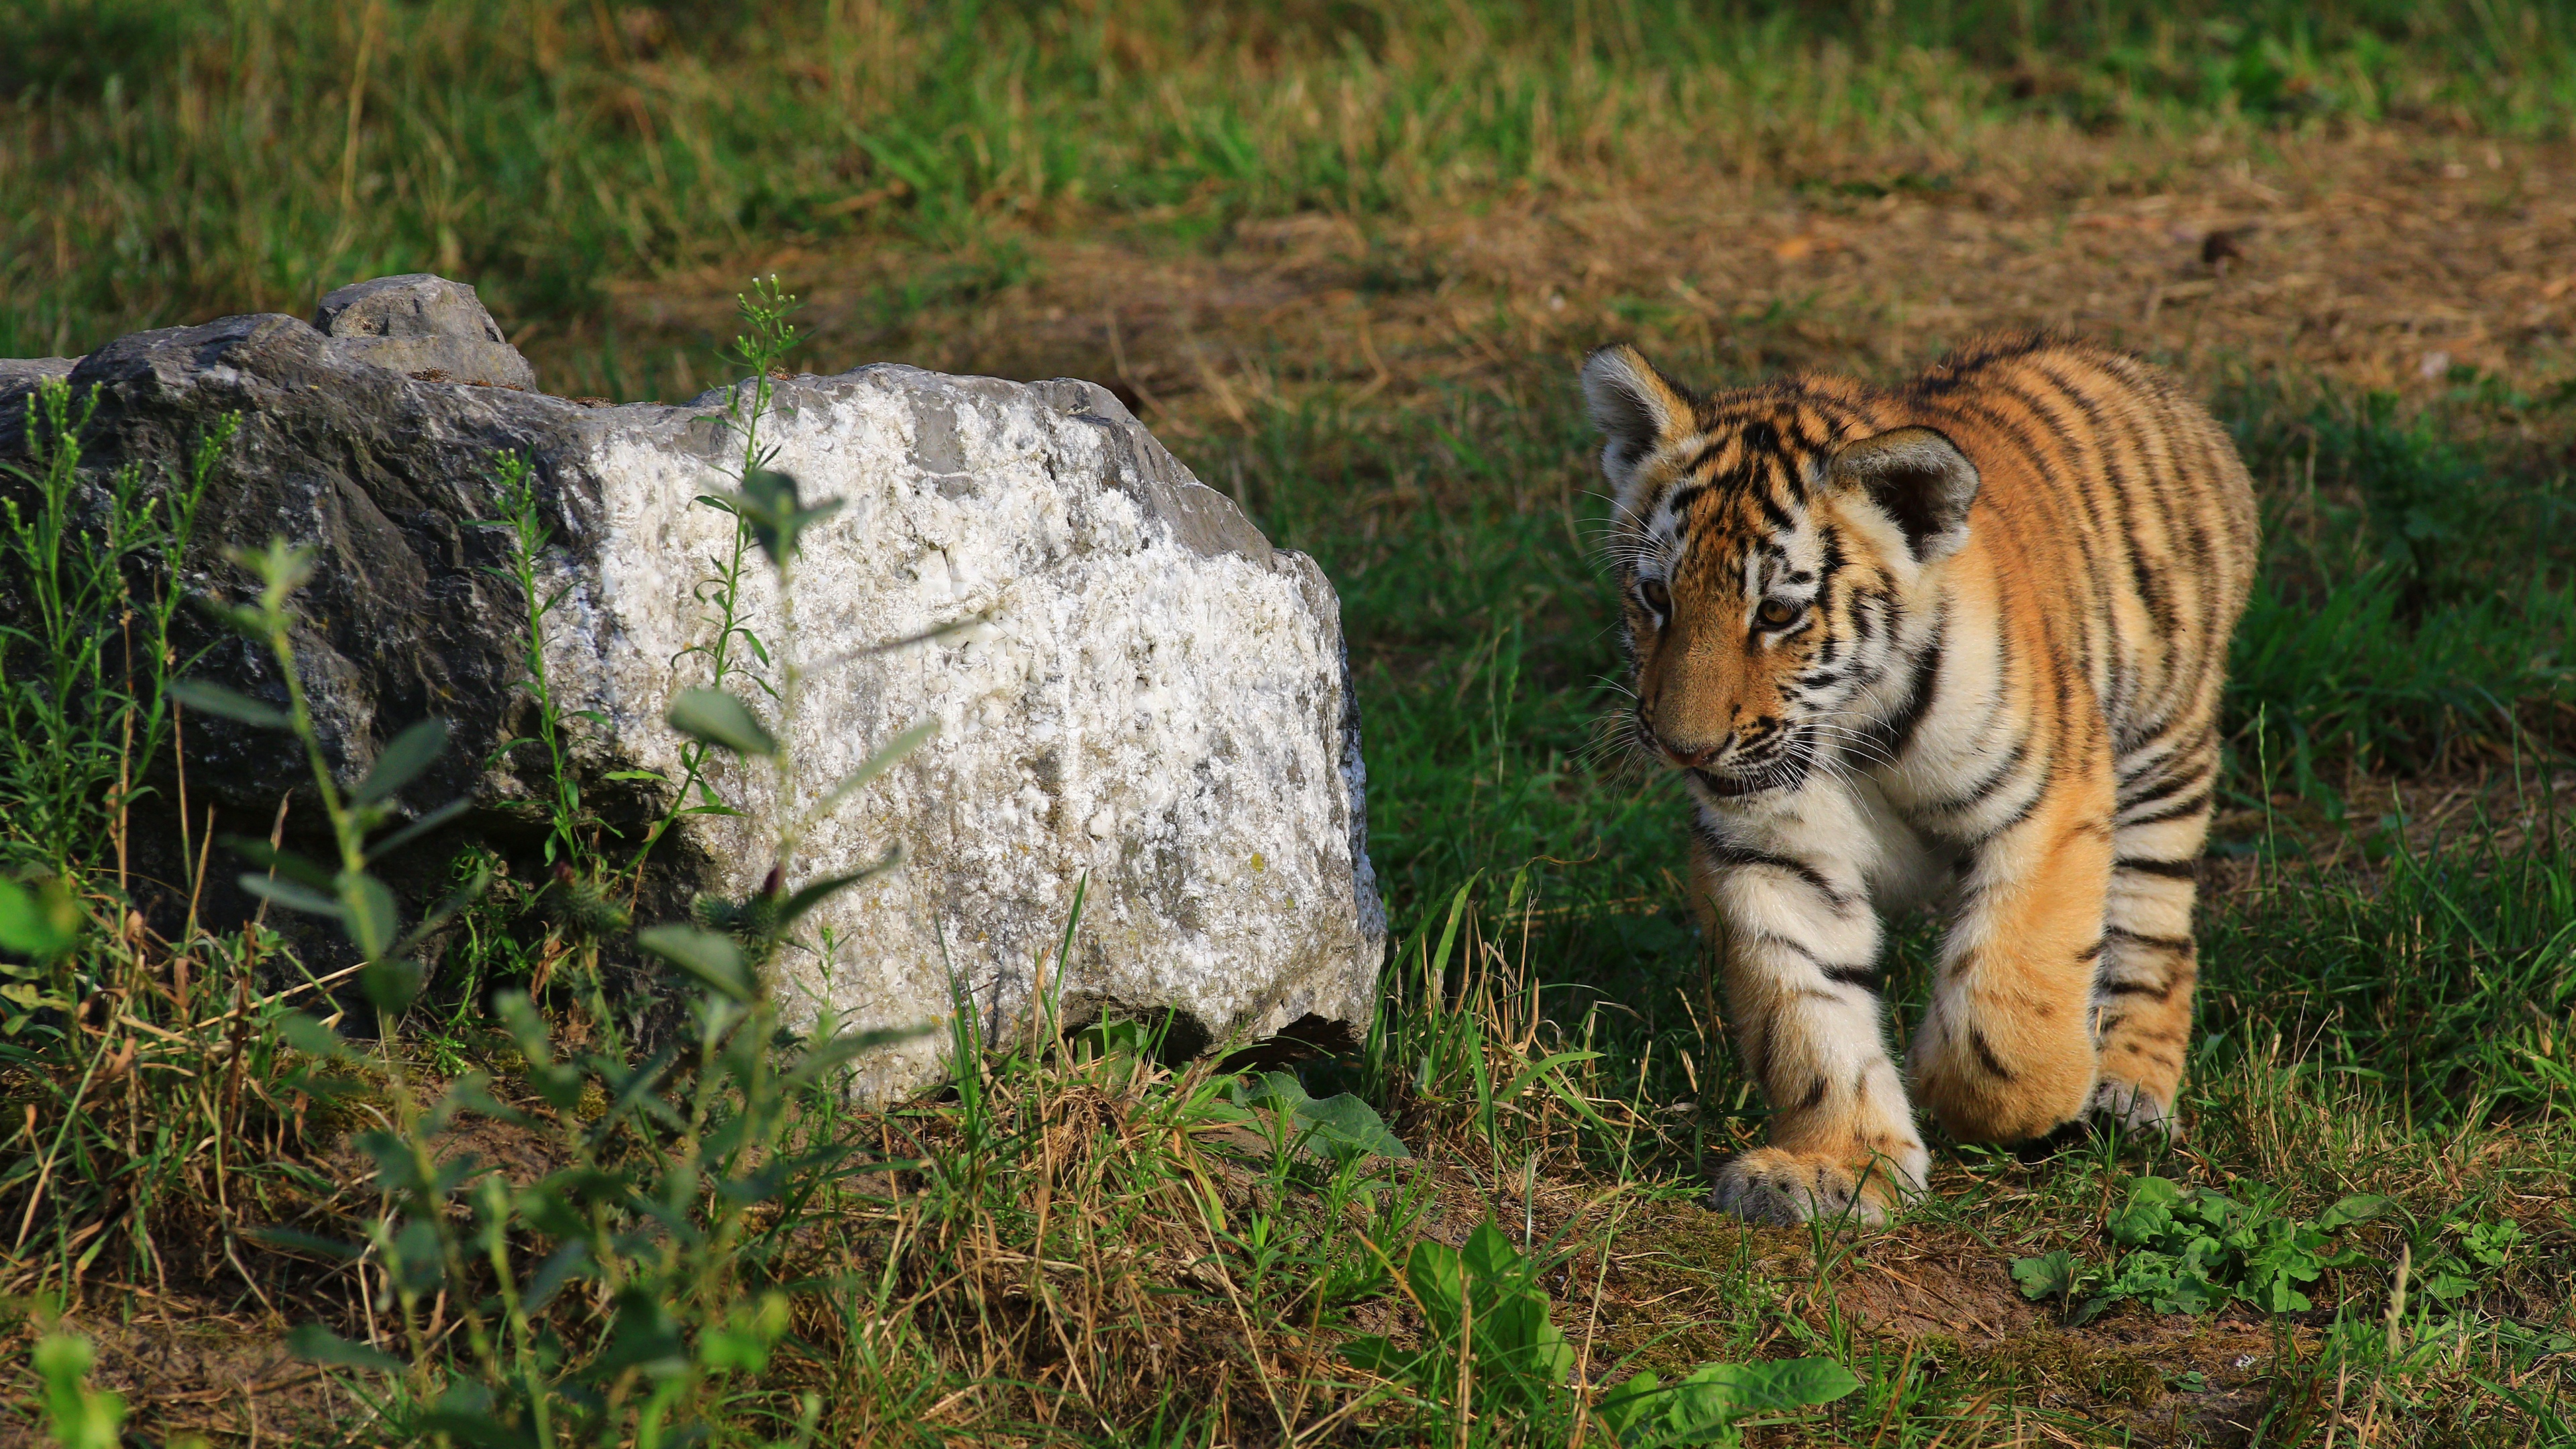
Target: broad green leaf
720,719
411,752
315,1344
711,958
1439,1285
1342,1122
214,699
1346,1121
2446,1285
1625,1409
40,922
1797,1383
1490,1259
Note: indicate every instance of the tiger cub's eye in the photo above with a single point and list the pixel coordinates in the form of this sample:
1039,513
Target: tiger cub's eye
1656,596
1776,612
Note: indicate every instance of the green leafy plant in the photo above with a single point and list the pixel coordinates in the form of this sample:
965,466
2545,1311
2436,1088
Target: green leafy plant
571,832
767,335
86,651
2190,1249
1341,1127
76,1415
1487,1343
1488,1350
615,1298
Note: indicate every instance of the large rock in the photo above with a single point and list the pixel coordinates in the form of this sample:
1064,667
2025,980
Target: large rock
1148,696
418,323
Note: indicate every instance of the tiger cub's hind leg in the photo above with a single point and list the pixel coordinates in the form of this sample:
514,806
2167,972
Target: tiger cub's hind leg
2142,990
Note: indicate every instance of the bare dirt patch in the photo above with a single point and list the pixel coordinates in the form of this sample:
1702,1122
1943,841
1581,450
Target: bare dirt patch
2379,259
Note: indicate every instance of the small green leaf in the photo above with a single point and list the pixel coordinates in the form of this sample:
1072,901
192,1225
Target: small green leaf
41,923
713,959
768,503
810,896
391,986
877,764
310,1037
370,917
2360,1207
720,719
2051,1275
2446,1285
411,752
2148,1213
284,862
293,1241
315,1344
81,1417
291,895
1346,1122
214,699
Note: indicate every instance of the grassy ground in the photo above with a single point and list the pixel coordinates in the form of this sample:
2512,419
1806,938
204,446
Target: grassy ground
1342,257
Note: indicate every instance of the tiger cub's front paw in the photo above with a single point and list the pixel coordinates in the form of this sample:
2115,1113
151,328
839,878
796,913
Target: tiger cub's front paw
2132,1108
1769,1185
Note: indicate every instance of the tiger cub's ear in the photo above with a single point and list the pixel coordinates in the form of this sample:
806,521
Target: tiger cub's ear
1634,406
1919,479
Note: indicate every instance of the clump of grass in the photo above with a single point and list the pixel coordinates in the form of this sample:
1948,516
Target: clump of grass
2417,599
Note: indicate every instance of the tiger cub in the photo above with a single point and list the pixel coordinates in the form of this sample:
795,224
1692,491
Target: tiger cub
1962,639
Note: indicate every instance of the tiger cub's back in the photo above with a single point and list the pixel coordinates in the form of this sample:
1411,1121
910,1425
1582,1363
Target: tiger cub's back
2112,500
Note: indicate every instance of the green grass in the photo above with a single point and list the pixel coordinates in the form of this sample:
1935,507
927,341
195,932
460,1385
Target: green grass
1077,1243
165,161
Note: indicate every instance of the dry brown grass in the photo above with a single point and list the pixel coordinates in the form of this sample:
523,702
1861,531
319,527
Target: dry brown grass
2372,258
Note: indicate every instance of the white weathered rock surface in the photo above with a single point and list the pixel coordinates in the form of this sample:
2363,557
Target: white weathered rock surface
1154,698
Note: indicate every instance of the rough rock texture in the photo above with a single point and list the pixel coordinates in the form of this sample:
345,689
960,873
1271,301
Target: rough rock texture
420,323
19,376
1151,696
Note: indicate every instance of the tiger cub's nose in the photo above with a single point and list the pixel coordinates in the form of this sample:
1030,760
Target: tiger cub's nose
1689,756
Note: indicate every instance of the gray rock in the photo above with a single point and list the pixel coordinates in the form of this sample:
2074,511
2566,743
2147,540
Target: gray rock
1145,694
420,323
20,376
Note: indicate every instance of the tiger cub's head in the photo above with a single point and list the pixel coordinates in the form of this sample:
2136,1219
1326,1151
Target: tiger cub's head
1776,554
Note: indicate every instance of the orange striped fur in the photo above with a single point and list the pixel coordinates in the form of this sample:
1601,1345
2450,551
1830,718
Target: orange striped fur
1957,641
